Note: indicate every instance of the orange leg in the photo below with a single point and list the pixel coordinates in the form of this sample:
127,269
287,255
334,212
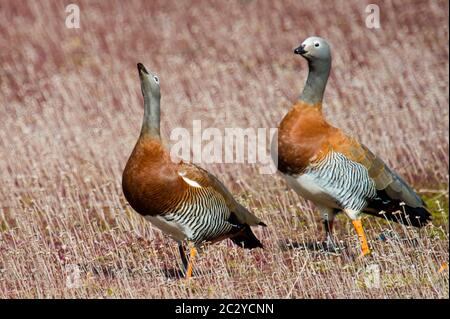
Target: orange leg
193,253
362,237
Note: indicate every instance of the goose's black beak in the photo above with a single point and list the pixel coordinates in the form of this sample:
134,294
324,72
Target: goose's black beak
300,50
141,68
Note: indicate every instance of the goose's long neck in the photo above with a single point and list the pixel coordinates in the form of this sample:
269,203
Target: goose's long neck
150,124
316,82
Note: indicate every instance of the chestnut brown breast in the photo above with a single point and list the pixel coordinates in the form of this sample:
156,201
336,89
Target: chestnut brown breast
150,180
304,137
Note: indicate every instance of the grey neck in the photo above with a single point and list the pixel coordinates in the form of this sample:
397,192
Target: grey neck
150,124
317,80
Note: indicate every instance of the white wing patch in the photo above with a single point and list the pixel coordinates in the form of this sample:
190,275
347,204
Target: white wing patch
189,181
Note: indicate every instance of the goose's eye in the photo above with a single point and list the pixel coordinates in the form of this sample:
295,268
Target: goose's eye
316,44
156,79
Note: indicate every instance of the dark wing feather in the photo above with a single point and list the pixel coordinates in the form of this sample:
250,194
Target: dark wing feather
395,197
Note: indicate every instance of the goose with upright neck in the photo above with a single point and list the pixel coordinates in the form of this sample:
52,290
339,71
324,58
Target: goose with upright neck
318,54
183,200
333,170
152,103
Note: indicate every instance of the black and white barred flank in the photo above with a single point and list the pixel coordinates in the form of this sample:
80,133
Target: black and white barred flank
203,214
346,181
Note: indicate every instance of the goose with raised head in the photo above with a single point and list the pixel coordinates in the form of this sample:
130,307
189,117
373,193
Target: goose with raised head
183,200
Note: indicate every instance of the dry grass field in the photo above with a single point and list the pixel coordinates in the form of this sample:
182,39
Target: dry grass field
71,110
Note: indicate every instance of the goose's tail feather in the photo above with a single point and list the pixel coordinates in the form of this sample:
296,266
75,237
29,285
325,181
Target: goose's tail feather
246,239
394,210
